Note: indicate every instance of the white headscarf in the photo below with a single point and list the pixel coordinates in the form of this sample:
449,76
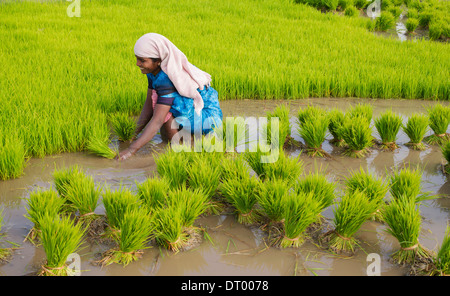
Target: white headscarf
185,77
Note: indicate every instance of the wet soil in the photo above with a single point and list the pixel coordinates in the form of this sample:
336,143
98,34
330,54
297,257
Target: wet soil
235,249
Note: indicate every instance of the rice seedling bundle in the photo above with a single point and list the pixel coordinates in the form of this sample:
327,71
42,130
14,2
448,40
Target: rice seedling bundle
39,204
62,179
153,192
272,197
373,187
254,160
284,131
403,219
316,183
116,204
310,113
173,166
351,11
352,211
439,119
407,182
442,259
205,176
4,252
12,157
242,194
83,195
388,125
385,21
136,229
235,167
411,24
364,110
169,228
101,148
59,237
301,210
445,149
286,168
357,134
415,129
192,202
233,133
313,131
336,120
124,126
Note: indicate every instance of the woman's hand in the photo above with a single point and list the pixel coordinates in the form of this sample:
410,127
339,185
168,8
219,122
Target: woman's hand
125,154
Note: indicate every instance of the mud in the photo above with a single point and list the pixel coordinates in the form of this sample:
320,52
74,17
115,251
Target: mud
236,249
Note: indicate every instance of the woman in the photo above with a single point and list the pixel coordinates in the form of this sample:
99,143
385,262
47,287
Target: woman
179,94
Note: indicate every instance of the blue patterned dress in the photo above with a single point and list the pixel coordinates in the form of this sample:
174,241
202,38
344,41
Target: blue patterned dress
182,108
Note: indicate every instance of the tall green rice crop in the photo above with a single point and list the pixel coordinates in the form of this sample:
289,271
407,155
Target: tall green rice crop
124,126
352,211
415,129
242,195
313,131
336,120
272,197
442,259
388,125
373,187
317,183
60,237
301,210
116,204
153,192
136,229
39,204
445,149
12,157
357,134
439,119
403,219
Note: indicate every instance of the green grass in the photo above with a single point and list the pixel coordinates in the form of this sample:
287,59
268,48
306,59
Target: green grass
60,237
56,110
404,222
388,124
415,129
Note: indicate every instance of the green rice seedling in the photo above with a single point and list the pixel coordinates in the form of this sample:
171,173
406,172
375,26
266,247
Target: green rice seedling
40,203
352,211
193,202
445,149
317,184
373,187
83,196
62,179
101,148
412,13
364,110
136,229
203,175
4,252
286,168
301,210
407,182
169,228
351,11
385,21
235,167
403,219
253,159
313,132
388,125
116,204
12,157
439,119
435,30
395,11
336,120
124,126
309,114
233,132
415,129
442,259
284,130
242,194
272,198
357,134
172,165
153,192
59,237
343,4
411,24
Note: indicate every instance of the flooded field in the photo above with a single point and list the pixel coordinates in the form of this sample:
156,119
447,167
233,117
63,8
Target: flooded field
235,249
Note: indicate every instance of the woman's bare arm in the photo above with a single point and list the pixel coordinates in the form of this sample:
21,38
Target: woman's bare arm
146,113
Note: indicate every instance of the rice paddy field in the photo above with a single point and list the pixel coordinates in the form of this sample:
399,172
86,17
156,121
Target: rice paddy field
364,132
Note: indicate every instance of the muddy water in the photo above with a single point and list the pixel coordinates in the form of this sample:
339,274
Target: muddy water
236,249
